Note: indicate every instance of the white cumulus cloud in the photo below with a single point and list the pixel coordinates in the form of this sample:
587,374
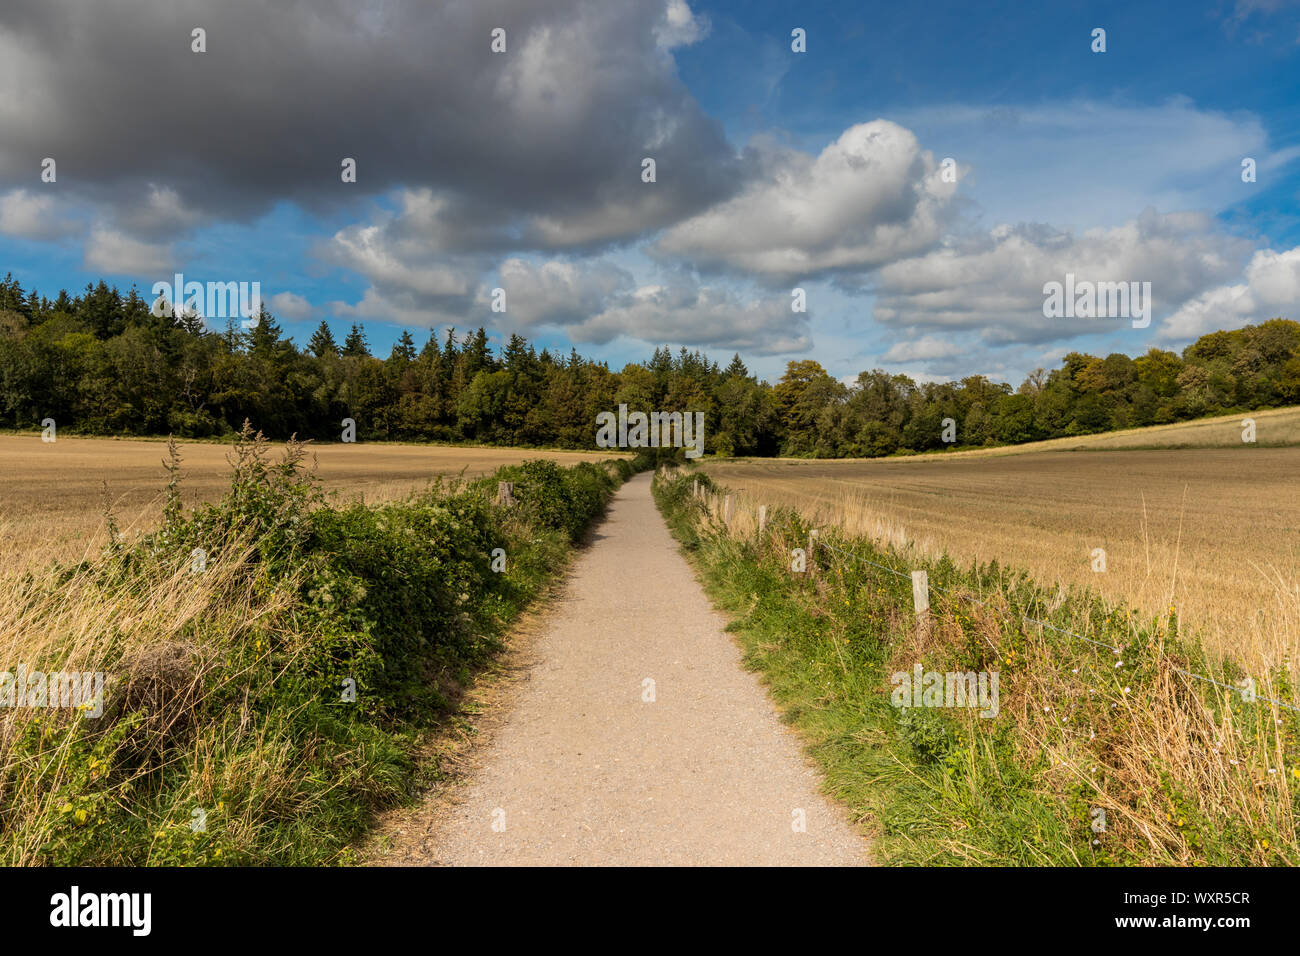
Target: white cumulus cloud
31,216
116,253
871,197
993,284
1271,289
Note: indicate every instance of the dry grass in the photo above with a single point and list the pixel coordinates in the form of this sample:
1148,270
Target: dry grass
52,496
140,636
1211,532
1184,771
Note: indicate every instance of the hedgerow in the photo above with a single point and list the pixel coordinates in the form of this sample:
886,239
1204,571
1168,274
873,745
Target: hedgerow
275,661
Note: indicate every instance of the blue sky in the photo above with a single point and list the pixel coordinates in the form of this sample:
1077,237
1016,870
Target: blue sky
777,169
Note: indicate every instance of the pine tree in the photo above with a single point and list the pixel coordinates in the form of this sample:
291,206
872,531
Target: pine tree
232,338
431,354
264,338
11,293
354,346
101,309
136,309
404,349
322,341
188,321
478,357
515,356
433,372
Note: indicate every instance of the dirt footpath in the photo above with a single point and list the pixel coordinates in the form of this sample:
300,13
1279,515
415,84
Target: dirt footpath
584,769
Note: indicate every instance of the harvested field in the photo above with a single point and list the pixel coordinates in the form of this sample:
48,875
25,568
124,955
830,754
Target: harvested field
1212,532
1274,428
52,496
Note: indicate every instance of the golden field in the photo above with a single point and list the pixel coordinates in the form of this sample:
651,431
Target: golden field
1274,428
1211,530
52,496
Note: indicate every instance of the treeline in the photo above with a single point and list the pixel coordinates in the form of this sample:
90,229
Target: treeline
102,363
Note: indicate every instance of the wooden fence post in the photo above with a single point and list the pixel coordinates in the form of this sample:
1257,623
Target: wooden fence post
762,518
726,511
505,492
812,550
921,601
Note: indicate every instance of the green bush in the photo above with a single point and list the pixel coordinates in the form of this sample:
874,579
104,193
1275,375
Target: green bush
563,499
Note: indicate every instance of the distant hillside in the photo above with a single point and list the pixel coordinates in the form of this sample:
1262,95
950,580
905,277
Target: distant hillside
1274,428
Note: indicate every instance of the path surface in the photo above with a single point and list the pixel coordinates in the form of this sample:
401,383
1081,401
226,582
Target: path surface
587,772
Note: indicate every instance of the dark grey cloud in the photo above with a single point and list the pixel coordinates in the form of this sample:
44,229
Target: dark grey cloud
539,147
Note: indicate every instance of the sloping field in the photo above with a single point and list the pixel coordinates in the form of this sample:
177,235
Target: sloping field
1274,428
52,496
1213,532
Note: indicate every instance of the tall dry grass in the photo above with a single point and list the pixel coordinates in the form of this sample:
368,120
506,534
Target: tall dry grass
157,639
1186,771
273,661
1210,534
171,633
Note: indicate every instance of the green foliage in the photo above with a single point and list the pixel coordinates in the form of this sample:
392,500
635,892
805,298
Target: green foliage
563,499
330,639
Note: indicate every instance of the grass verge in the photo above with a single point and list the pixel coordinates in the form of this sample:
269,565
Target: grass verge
1101,751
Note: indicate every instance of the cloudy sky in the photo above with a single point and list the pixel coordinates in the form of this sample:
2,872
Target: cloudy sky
823,170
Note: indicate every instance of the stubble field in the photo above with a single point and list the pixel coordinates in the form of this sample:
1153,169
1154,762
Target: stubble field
1213,532
53,496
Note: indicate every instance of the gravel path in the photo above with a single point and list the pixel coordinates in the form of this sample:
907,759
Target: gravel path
582,770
